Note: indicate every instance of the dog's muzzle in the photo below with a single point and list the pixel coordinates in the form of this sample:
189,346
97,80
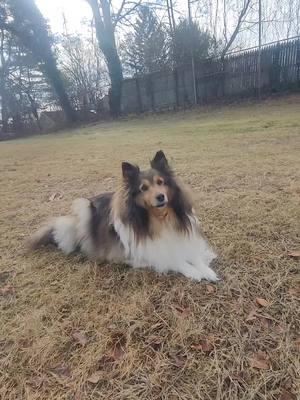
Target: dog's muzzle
161,200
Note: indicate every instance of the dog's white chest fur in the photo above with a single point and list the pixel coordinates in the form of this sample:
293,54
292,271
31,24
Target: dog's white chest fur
188,254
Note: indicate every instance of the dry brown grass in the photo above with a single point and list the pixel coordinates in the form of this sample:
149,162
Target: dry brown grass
144,332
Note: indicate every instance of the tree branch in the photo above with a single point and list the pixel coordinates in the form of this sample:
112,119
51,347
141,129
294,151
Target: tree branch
119,17
237,28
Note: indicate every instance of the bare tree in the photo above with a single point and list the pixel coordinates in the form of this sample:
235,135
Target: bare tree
171,15
226,19
170,20
106,21
236,30
24,20
84,71
235,22
24,90
3,88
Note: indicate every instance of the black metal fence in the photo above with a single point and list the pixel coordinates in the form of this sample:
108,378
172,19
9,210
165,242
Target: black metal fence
236,75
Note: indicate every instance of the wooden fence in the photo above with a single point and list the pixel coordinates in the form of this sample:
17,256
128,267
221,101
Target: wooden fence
234,76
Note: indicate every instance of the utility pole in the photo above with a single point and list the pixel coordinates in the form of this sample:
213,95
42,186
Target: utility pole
259,49
192,52
170,18
172,13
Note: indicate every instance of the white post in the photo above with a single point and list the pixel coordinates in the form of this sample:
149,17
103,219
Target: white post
192,52
259,49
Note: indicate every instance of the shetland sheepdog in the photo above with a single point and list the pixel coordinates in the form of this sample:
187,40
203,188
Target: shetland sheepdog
148,222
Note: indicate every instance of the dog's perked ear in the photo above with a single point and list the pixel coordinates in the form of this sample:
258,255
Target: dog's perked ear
130,172
160,162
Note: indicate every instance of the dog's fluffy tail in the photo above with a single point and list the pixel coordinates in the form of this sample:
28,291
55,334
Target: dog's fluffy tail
61,232
40,238
67,232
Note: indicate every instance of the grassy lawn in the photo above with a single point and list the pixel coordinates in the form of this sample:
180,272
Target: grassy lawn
72,329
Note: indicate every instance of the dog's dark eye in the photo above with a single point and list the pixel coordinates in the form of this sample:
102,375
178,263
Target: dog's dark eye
160,182
144,188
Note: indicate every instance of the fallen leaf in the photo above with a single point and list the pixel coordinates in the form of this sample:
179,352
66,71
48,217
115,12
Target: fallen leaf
297,344
117,347
266,316
62,371
265,319
36,382
197,346
210,289
207,346
183,311
105,361
252,315
261,302
294,254
294,291
55,195
266,322
79,396
80,337
7,289
52,197
237,307
260,361
286,395
95,377
117,352
259,364
179,361
203,345
280,328
240,377
258,258
288,384
155,342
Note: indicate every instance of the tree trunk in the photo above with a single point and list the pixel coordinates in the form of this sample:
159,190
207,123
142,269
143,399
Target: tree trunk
4,111
50,69
172,14
42,48
3,91
105,32
116,79
30,27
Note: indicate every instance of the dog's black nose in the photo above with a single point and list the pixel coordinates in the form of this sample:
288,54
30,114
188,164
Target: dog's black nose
160,198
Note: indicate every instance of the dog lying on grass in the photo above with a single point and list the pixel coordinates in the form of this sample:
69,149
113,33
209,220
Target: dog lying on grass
148,222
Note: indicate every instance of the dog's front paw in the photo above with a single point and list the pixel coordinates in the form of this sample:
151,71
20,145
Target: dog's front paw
209,275
198,273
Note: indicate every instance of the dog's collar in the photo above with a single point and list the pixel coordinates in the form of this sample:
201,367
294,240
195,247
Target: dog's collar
161,214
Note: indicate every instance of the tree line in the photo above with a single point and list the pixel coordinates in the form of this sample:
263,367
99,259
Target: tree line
41,71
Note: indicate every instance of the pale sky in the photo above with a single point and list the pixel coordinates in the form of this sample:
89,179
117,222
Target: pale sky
75,11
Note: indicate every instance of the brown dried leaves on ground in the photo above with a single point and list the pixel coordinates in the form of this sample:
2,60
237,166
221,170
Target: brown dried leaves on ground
72,329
